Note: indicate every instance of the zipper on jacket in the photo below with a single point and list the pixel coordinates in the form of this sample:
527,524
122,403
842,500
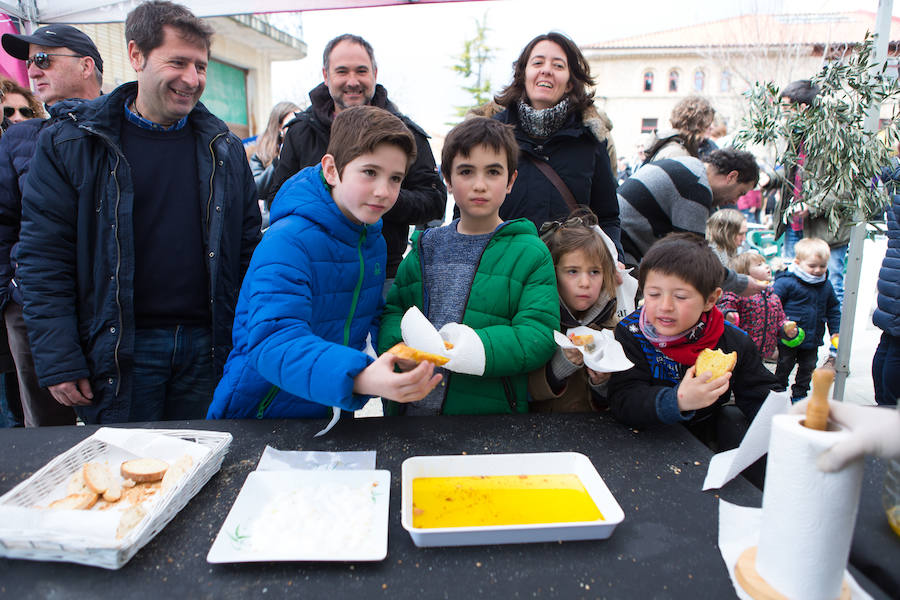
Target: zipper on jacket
510,392
212,290
115,176
212,175
266,401
468,296
358,288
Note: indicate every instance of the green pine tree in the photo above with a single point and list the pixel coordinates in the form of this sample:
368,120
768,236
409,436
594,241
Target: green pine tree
471,65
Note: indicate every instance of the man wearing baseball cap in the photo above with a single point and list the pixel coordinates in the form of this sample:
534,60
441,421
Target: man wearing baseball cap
66,69
62,61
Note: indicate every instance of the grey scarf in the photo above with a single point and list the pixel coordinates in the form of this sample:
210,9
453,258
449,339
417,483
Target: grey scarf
542,122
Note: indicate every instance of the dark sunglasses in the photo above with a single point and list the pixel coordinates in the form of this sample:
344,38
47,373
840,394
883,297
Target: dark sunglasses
9,111
551,226
42,59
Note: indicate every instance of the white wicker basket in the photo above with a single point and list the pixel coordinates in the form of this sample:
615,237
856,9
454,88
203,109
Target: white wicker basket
40,545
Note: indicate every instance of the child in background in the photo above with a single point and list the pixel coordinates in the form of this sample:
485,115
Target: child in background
760,315
586,281
494,276
726,231
808,299
312,293
680,278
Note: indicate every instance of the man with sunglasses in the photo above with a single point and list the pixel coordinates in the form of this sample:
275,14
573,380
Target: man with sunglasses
66,69
137,228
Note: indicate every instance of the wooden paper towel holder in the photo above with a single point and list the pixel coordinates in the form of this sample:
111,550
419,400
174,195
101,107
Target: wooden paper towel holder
760,589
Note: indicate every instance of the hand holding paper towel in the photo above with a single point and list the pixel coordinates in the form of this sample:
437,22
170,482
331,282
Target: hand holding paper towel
606,354
467,354
872,430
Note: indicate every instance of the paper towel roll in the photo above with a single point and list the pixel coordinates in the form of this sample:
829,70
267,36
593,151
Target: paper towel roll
807,515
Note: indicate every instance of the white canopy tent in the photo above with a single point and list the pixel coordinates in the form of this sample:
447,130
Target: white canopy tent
106,11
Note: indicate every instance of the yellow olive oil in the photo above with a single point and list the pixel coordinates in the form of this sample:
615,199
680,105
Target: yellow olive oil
490,500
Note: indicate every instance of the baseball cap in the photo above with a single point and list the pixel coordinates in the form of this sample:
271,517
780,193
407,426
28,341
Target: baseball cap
53,36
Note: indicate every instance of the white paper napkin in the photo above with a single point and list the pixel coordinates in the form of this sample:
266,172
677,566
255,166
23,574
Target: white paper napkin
607,355
467,354
739,529
725,466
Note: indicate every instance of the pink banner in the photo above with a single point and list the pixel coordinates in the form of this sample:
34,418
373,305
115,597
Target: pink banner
10,67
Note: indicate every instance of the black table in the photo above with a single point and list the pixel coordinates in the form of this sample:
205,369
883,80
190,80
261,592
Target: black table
665,548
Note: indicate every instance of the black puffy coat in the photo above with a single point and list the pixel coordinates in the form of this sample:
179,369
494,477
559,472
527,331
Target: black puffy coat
887,314
579,158
423,197
76,252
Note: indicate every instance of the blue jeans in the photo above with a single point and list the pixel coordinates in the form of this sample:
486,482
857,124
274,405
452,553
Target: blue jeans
173,374
886,370
836,266
791,237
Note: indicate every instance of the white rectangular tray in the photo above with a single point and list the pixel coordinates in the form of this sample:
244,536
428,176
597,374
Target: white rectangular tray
544,463
43,545
235,542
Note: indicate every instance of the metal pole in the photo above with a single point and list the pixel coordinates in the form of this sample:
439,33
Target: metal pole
858,234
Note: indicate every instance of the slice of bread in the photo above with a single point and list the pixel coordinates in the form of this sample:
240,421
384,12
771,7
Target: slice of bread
76,484
98,477
582,340
129,520
176,472
82,501
144,469
714,361
114,492
403,351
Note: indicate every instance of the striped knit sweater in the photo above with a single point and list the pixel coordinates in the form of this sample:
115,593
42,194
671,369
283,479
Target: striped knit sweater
665,196
662,197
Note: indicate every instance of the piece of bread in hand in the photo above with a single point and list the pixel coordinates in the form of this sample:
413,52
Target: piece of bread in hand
144,469
401,350
714,361
82,501
581,340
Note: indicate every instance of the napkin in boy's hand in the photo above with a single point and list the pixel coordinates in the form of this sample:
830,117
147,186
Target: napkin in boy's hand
466,353
605,354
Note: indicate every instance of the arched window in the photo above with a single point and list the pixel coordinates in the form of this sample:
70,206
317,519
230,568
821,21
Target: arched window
699,80
725,83
673,80
648,81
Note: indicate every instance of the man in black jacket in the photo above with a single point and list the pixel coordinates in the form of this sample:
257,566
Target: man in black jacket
139,216
64,64
350,80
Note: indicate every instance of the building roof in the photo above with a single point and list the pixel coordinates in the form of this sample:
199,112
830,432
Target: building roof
756,29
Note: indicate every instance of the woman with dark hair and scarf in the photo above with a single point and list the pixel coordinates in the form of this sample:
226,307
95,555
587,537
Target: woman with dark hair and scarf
565,157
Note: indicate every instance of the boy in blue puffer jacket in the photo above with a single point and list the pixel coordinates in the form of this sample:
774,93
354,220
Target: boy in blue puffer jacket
810,301
313,291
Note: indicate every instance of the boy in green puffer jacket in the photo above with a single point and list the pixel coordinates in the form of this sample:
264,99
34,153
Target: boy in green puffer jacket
495,276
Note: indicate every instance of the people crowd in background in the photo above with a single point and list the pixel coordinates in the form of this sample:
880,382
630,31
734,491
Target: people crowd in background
267,149
106,276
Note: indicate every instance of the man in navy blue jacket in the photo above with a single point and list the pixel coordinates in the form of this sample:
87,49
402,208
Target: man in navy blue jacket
64,64
139,216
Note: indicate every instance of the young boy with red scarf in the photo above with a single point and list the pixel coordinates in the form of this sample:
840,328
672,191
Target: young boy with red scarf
680,278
